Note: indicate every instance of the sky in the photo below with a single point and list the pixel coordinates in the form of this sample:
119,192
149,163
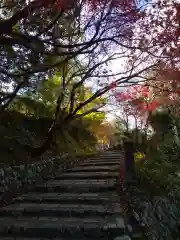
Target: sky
116,66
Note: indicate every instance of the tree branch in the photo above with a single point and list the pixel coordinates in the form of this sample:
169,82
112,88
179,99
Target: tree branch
6,26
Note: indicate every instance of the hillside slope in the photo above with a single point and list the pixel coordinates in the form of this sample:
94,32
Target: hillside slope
17,130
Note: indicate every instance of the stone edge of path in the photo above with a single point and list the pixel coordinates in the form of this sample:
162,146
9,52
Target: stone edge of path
20,179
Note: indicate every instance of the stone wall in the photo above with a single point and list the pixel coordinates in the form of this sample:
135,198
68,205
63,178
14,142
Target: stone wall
20,178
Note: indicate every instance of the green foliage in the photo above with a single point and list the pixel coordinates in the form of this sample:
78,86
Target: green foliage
161,121
31,107
17,129
39,103
119,129
158,193
37,110
42,102
164,163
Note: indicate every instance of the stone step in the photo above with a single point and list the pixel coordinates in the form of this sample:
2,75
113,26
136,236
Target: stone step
61,227
80,204
63,210
100,163
78,185
88,198
105,154
89,175
60,238
95,168
111,152
105,158
103,163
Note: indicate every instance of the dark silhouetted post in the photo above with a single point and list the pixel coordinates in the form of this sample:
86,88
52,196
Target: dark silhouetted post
129,164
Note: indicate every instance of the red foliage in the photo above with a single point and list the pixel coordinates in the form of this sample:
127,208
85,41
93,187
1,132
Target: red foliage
64,4
139,96
161,28
60,4
132,93
177,91
151,106
123,96
145,91
113,85
123,4
46,3
94,4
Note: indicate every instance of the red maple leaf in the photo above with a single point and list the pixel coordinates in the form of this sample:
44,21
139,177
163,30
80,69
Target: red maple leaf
113,84
150,106
145,91
178,91
137,95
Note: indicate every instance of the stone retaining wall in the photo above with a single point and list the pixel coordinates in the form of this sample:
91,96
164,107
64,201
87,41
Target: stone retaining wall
14,179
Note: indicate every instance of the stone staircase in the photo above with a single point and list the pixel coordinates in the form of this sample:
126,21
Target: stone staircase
81,204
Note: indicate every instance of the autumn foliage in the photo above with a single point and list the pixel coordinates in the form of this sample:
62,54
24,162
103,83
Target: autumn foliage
42,37
94,4
139,96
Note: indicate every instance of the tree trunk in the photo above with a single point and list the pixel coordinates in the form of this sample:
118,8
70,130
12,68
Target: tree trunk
38,151
136,131
175,133
127,124
35,152
174,128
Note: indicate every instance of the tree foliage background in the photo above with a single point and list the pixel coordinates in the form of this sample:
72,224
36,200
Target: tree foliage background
57,79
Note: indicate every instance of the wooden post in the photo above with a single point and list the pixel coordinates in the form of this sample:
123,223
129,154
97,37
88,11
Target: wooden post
129,149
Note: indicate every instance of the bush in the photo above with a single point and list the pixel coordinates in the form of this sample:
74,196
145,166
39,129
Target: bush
18,130
157,194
